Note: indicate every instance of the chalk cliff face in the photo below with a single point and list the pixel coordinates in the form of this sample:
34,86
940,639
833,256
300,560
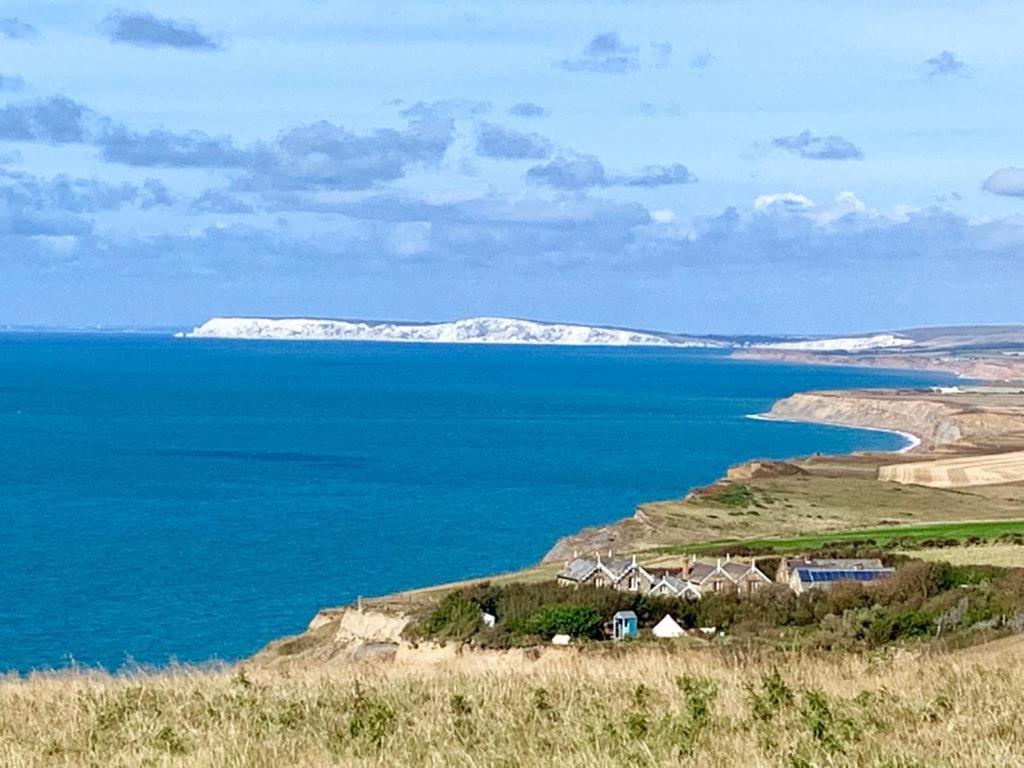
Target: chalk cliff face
476,330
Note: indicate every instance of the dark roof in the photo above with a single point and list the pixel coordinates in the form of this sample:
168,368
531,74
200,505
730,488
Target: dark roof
581,568
578,569
820,575
617,567
846,563
700,571
675,582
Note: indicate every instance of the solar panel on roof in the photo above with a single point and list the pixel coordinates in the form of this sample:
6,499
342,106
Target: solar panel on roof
820,575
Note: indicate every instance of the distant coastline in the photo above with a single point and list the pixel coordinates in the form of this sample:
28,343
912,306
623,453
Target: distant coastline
913,441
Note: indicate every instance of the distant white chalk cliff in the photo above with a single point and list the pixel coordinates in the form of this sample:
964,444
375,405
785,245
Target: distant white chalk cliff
476,330
844,344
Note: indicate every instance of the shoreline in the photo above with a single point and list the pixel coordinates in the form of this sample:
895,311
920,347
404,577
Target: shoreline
913,441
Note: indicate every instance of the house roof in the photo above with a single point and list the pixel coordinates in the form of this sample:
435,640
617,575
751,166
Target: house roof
676,583
578,569
846,563
581,568
625,615
700,571
734,570
617,568
828,575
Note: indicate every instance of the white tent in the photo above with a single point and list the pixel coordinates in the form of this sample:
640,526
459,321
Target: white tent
667,627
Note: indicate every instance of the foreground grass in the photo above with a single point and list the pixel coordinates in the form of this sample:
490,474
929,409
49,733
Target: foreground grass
988,530
638,706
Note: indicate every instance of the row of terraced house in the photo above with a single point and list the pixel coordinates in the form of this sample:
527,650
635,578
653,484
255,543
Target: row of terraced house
726,575
693,580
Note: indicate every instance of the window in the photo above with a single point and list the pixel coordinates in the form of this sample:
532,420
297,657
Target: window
634,583
599,582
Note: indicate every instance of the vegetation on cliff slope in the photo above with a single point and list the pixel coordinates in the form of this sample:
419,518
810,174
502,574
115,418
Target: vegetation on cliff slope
920,601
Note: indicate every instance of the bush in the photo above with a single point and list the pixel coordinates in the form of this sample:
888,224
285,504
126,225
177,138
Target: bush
575,621
912,603
456,618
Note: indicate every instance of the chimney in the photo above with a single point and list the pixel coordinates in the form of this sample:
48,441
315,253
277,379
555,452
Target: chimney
686,568
718,563
609,554
727,557
633,559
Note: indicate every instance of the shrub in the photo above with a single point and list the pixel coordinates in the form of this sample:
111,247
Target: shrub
575,621
456,618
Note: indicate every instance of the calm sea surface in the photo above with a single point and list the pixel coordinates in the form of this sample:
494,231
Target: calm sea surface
171,499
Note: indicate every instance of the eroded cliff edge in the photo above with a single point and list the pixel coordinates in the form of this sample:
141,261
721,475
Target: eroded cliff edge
943,422
965,422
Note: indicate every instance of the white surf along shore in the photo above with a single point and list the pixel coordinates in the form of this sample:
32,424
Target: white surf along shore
912,440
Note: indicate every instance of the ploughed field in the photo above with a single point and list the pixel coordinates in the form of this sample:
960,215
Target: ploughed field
961,472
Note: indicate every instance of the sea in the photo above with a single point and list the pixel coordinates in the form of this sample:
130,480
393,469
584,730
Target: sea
171,500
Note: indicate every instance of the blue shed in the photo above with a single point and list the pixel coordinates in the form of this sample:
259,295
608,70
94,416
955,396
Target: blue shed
624,625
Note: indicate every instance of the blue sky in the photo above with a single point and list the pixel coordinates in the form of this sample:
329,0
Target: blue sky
710,166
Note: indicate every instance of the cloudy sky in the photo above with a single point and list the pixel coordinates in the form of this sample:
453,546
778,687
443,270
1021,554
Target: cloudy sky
710,166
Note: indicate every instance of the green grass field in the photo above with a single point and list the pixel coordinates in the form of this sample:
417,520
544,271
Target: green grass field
961,532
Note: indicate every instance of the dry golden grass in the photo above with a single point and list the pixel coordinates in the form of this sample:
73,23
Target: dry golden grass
1002,555
637,706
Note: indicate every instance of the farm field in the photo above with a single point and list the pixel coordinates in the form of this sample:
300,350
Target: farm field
1001,555
982,530
961,472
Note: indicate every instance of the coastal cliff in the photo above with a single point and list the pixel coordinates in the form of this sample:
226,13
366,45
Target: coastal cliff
933,423
962,423
940,422
990,368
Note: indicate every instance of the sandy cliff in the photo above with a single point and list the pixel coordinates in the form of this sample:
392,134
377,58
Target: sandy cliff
940,423
934,423
992,367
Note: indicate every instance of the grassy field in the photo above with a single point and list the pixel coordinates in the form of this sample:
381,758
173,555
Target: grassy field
839,494
961,531
669,556
1001,555
646,706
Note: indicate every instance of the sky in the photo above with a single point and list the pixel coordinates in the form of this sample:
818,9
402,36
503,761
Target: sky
703,167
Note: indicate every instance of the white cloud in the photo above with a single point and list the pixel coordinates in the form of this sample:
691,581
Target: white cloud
783,199
850,201
663,216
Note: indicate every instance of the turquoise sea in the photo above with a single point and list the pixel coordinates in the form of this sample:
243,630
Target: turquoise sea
170,499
